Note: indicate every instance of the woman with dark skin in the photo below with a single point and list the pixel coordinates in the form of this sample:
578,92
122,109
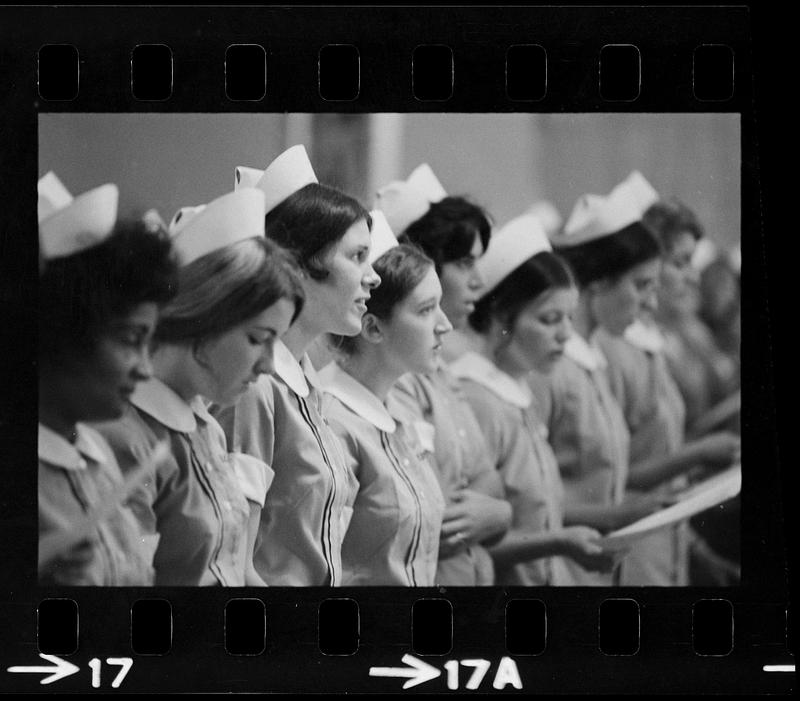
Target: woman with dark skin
99,295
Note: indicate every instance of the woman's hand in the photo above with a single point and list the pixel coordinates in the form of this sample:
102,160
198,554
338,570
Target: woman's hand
637,505
717,449
581,544
471,518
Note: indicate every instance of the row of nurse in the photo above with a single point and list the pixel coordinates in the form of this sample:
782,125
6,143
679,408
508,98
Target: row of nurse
232,462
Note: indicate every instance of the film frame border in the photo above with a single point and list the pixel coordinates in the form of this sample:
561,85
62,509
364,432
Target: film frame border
292,37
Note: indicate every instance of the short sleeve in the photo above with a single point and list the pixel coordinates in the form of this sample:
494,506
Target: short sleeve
249,425
253,475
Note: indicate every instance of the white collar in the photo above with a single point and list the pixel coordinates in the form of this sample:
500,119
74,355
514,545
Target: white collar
480,369
356,397
54,449
161,402
647,337
290,371
586,355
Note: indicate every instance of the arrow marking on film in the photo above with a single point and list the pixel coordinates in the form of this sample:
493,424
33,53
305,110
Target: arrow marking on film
61,669
418,672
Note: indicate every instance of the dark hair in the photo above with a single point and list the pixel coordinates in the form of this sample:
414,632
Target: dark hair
226,287
541,273
79,295
670,218
611,256
446,232
401,269
312,219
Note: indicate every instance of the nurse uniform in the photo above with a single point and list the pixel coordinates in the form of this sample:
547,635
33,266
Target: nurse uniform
81,479
655,413
280,421
461,454
595,218
194,501
393,538
588,434
517,439
510,420
461,457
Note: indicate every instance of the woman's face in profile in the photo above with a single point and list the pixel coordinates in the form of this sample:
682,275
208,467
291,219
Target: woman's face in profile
101,383
340,300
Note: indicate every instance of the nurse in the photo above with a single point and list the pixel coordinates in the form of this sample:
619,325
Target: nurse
99,294
237,295
454,233
704,375
617,262
280,419
393,537
521,323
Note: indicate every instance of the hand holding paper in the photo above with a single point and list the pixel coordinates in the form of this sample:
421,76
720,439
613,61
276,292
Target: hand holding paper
74,543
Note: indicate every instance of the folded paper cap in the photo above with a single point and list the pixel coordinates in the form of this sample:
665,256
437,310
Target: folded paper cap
595,216
287,174
518,240
405,201
70,224
237,216
382,236
547,214
423,179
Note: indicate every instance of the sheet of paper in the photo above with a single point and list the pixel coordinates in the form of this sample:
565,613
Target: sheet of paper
700,497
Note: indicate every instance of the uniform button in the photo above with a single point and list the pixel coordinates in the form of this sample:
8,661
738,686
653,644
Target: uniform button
82,464
462,432
405,462
226,505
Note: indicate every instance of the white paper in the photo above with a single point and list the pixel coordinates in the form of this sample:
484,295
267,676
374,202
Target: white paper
697,498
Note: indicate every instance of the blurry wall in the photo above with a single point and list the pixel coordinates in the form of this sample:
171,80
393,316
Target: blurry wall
164,161
504,161
507,161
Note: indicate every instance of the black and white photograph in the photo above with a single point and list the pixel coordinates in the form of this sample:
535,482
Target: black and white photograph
389,350
394,349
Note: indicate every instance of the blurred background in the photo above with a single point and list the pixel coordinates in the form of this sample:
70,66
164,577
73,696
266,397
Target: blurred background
505,162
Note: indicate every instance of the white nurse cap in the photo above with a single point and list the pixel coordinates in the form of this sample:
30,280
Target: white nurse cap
226,220
383,237
594,216
405,201
509,247
547,214
423,179
70,224
287,174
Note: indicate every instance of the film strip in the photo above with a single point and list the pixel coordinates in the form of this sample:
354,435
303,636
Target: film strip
161,62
